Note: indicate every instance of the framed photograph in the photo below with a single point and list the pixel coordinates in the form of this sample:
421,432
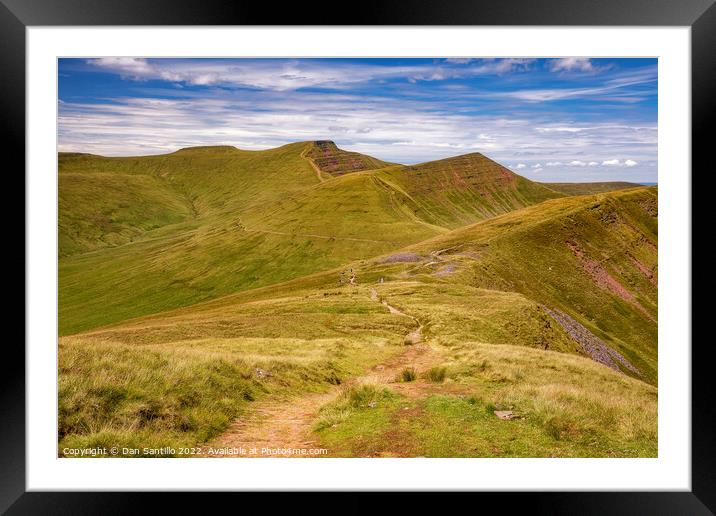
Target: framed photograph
435,249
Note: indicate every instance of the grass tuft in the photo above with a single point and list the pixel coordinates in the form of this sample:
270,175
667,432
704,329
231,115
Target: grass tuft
408,374
436,374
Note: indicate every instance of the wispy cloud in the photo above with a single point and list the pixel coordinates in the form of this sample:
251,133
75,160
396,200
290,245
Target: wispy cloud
405,111
293,74
575,64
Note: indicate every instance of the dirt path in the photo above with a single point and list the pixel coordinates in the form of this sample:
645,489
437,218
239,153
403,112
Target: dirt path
415,336
288,423
313,164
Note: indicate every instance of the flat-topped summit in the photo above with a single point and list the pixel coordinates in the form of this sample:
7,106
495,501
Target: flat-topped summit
218,149
332,160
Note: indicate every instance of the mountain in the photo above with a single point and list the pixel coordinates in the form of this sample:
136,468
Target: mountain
457,191
140,235
329,160
532,333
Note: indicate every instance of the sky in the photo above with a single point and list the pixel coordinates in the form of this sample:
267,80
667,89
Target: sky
561,119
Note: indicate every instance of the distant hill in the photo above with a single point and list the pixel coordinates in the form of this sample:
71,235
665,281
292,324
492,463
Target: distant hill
110,201
144,234
590,188
457,191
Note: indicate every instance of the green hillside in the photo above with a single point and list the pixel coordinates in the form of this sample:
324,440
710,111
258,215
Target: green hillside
204,222
101,210
532,333
592,257
457,191
200,183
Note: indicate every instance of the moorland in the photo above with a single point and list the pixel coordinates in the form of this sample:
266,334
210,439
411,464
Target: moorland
311,297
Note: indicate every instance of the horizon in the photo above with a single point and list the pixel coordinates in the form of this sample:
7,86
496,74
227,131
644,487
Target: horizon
647,183
550,120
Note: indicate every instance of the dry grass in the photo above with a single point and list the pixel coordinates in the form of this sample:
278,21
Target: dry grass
564,406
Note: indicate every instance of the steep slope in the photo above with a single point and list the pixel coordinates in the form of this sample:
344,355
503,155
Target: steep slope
110,201
406,203
589,259
237,220
457,191
105,210
329,159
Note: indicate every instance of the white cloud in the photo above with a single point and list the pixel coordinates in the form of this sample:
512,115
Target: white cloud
592,164
577,163
619,163
502,66
130,67
620,87
406,132
538,165
573,64
278,75
559,129
285,75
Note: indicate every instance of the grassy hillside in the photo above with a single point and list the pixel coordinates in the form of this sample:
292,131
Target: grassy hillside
102,199
105,210
589,188
221,220
458,191
514,317
591,257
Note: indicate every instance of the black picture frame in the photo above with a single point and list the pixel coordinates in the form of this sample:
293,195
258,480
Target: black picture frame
17,15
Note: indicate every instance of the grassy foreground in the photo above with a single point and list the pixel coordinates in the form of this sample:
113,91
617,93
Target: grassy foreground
563,406
180,381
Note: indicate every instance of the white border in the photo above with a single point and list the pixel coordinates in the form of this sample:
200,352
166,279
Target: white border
671,471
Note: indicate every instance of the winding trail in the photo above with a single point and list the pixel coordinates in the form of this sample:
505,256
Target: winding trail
288,423
415,336
313,164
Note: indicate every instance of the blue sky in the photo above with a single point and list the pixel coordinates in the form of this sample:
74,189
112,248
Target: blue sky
567,119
